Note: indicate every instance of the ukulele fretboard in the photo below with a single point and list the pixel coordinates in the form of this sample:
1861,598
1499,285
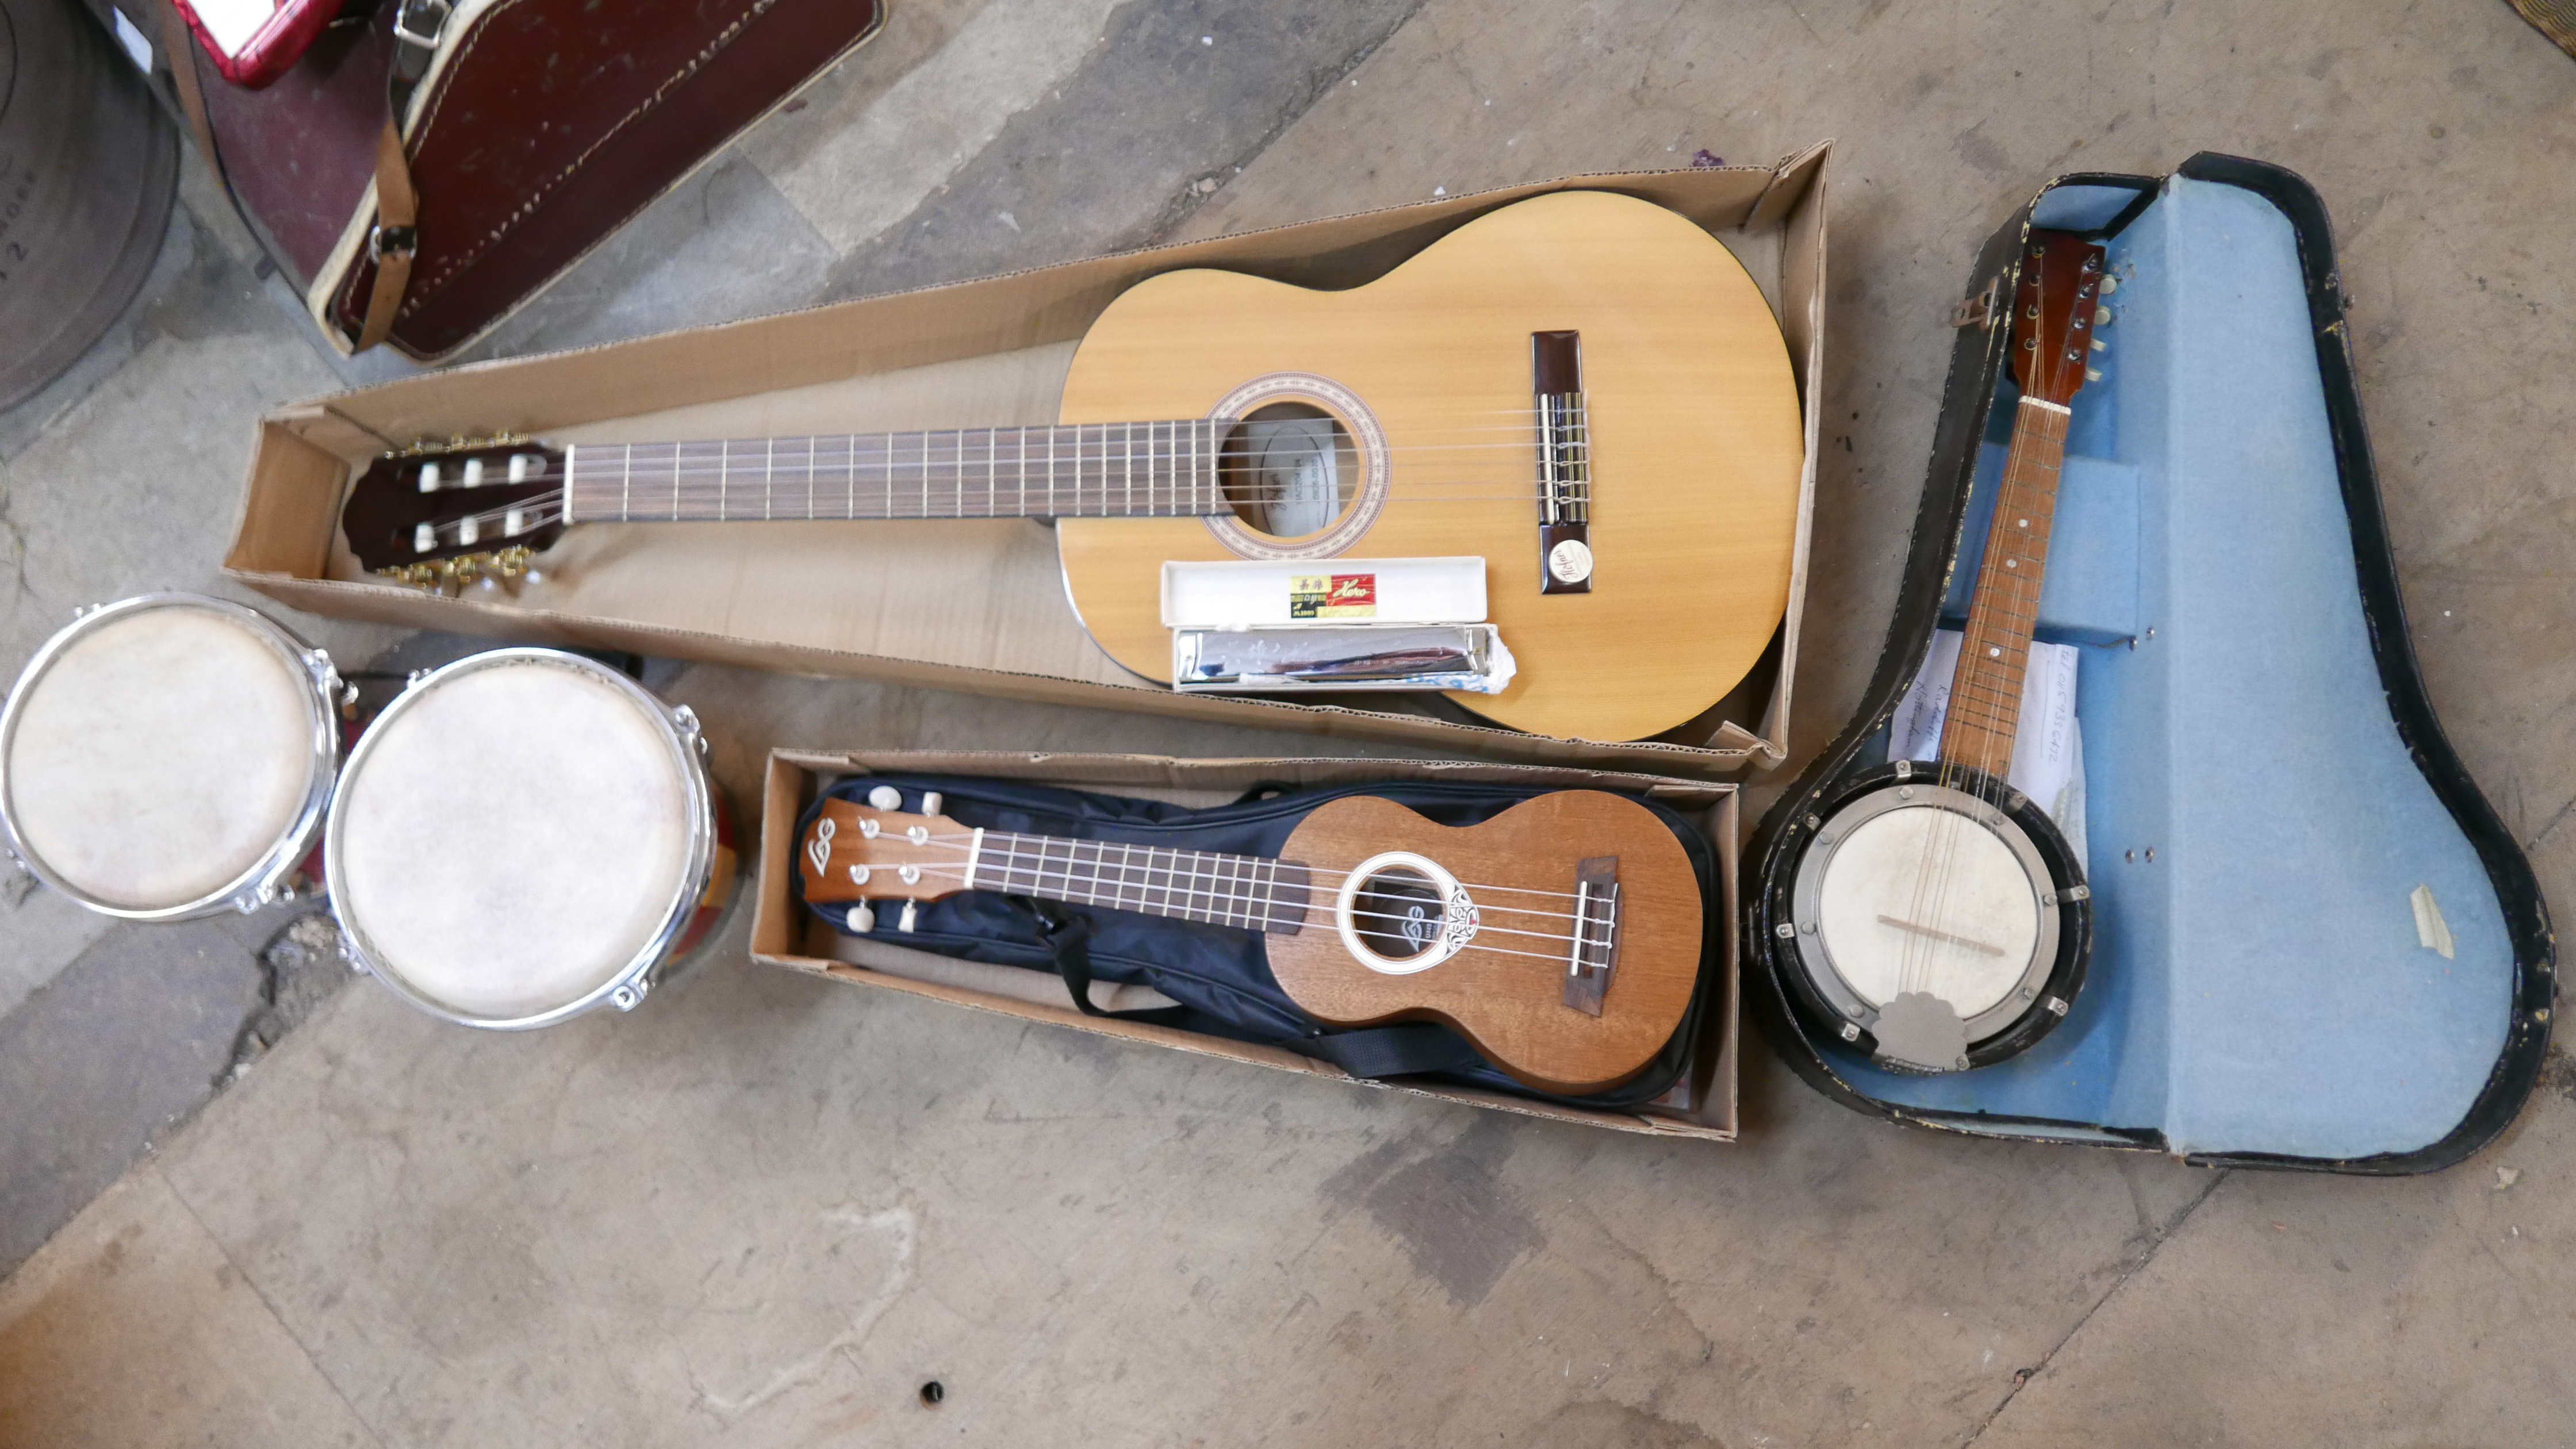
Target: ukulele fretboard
1087,470
1253,893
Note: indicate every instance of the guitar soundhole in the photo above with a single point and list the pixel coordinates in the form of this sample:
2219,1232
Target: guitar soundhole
1398,913
1290,470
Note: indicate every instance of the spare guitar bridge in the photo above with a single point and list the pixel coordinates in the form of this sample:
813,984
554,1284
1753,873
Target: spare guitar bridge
1595,953
1564,464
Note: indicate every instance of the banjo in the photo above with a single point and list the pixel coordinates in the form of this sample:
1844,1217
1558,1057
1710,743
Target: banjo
1939,920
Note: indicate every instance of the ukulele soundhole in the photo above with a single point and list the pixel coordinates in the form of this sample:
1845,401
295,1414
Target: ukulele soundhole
1290,470
1399,913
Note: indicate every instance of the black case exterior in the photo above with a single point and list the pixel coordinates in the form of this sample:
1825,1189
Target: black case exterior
1976,364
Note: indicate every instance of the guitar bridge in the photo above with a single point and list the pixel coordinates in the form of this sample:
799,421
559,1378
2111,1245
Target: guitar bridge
1564,464
1595,953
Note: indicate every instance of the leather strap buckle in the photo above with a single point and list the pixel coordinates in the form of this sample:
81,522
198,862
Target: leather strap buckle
416,27
399,242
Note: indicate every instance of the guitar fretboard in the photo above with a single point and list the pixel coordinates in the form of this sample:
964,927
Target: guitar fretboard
1984,714
1087,470
1253,893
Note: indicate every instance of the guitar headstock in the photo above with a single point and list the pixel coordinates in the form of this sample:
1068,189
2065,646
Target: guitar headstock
862,853
425,514
2053,314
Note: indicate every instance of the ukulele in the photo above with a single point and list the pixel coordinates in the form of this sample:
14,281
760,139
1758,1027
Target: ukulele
1585,389
1939,920
1561,937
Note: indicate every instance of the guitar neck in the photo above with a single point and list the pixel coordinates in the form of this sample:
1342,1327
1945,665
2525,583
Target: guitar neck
1984,715
1087,470
1248,892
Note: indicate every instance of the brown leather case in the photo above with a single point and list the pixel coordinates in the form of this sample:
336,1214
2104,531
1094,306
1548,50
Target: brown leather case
540,127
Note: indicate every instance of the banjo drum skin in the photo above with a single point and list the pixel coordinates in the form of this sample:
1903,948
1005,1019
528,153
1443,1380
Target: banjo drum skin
168,757
1963,974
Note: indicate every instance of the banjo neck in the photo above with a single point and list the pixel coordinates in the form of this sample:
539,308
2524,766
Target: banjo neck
1984,716
1157,469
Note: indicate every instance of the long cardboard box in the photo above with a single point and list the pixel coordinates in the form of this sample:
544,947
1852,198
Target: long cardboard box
1702,1105
970,604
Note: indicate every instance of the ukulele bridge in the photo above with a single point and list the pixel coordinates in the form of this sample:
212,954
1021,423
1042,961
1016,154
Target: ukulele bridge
1595,953
1564,464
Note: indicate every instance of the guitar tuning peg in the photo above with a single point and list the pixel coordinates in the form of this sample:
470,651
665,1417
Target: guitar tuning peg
931,801
863,919
2110,284
2102,315
2092,374
886,797
910,917
2101,346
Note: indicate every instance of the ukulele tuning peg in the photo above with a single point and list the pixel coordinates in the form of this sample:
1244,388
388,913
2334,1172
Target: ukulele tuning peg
863,919
2110,284
2102,315
886,797
2092,374
910,918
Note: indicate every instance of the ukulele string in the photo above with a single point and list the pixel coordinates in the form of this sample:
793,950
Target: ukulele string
1312,870
966,868
1256,909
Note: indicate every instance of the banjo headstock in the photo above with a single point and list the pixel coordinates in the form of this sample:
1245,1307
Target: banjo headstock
2053,314
463,508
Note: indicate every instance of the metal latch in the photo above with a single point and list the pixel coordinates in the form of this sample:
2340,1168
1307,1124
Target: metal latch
1979,310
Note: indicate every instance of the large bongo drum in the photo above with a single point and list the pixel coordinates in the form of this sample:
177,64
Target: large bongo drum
523,835
169,756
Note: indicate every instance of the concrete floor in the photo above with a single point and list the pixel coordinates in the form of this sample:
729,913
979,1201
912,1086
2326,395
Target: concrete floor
766,1210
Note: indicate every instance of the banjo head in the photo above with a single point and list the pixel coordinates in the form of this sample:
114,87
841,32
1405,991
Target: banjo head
1938,920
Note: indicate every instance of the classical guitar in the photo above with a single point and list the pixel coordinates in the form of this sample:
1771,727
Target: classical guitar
1939,920
1561,937
1585,389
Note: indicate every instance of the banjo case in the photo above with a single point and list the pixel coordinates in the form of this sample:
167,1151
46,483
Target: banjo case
1219,976
2315,945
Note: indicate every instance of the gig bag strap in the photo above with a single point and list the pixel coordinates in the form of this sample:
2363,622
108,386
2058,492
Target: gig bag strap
1068,940
396,236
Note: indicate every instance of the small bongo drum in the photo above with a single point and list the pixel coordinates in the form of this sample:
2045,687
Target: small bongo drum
523,835
169,756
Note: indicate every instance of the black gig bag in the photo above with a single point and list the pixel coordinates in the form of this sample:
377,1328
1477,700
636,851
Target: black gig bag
1220,976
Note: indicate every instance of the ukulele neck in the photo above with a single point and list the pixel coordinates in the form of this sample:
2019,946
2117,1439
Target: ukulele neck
1248,892
1984,715
1088,470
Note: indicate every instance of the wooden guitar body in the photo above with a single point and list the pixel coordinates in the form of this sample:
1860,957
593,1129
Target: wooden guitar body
1696,446
1504,991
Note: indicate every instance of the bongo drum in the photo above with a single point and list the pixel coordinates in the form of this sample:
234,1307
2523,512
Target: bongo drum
169,756
523,835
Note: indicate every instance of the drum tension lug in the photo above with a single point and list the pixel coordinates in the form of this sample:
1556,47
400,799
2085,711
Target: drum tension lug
2076,893
625,998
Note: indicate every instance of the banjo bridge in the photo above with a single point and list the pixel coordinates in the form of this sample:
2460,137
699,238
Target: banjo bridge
1595,951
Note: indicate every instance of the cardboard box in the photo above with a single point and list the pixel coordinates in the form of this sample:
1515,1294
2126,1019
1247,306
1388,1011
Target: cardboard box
1703,1104
970,604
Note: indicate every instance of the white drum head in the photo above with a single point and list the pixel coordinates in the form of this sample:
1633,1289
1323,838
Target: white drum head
163,754
515,835
1923,899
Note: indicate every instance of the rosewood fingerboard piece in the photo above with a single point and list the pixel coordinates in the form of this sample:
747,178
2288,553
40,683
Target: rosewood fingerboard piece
1984,715
1155,469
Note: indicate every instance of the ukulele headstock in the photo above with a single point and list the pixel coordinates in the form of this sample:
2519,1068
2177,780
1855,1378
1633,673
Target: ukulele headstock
434,512
2053,314
856,852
